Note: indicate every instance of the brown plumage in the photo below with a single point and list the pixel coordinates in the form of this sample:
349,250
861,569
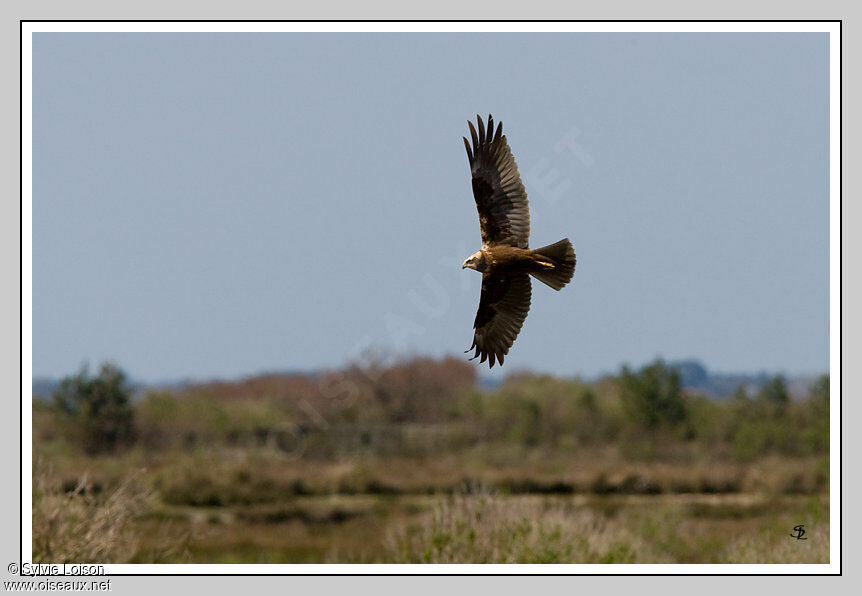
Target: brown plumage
505,259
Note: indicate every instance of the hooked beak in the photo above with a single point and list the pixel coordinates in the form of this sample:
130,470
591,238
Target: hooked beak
464,265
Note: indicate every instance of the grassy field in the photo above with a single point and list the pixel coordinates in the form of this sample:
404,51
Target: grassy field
419,466
473,524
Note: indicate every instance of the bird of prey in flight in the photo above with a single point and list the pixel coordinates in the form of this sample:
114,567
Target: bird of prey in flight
505,259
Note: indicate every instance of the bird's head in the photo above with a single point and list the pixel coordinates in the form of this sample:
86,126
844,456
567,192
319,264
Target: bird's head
475,261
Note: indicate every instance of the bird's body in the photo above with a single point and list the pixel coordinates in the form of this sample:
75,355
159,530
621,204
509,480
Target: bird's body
505,260
508,259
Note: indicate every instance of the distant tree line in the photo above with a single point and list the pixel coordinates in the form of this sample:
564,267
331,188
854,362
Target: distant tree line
381,407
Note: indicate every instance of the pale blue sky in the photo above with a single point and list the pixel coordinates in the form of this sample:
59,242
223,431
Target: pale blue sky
215,205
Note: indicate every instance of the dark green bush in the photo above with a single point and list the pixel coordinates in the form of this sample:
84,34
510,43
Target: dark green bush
97,410
775,396
653,396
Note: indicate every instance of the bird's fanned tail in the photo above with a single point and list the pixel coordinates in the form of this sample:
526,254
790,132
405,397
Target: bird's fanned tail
562,255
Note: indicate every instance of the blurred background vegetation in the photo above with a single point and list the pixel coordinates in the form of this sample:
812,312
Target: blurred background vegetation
416,461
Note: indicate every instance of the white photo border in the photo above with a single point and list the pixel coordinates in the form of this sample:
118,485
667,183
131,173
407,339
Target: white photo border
833,28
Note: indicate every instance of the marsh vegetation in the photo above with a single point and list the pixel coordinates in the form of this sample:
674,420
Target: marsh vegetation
414,462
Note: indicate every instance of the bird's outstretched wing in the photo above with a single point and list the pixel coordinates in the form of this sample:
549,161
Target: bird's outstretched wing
503,307
504,214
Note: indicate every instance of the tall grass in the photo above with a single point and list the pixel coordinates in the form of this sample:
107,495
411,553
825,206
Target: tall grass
483,527
79,521
490,528
76,523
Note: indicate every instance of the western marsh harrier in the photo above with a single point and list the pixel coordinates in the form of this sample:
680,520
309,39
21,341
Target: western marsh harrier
505,260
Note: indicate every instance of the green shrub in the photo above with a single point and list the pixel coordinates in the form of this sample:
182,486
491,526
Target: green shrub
97,410
653,395
775,396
